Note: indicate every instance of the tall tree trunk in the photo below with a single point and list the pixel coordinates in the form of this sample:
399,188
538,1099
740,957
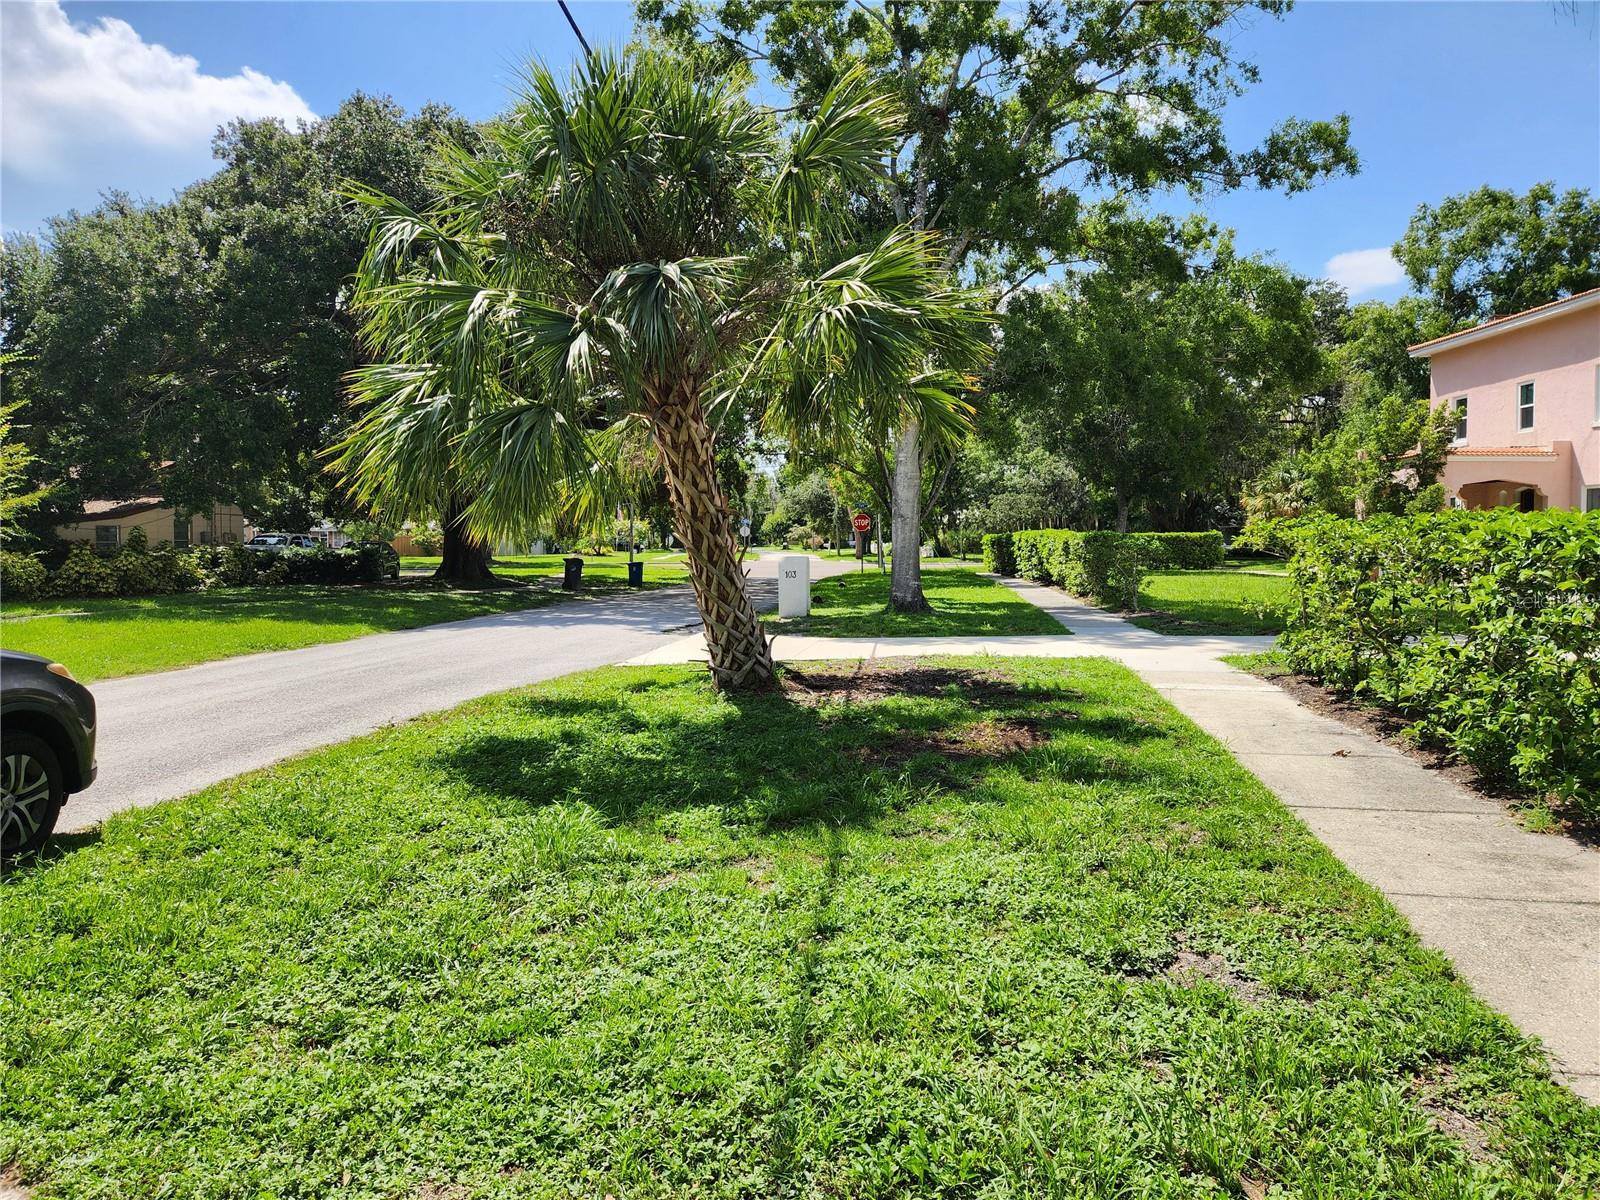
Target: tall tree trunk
1122,512
741,660
905,528
465,558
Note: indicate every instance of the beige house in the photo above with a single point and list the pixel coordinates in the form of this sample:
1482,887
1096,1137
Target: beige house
107,523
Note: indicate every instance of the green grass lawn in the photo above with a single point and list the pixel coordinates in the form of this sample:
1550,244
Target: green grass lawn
965,604
986,928
1221,601
1261,566
157,633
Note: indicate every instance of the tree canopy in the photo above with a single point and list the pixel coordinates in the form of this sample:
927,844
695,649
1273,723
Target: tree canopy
1490,252
1029,131
1159,389
199,345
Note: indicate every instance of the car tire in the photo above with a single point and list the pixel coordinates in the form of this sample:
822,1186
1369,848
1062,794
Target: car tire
32,790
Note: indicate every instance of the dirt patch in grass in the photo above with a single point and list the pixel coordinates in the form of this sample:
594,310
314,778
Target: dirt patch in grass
756,869
985,739
1188,968
1459,1127
1434,1090
1392,730
879,680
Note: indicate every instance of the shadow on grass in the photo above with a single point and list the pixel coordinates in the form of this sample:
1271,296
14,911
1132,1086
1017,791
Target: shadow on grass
772,760
802,1039
60,846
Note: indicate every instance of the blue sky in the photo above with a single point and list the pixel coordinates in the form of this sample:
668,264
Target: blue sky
1442,97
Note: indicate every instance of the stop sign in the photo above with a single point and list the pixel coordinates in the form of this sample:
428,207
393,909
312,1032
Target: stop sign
861,522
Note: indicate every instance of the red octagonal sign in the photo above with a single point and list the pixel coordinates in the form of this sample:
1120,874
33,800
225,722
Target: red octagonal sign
861,522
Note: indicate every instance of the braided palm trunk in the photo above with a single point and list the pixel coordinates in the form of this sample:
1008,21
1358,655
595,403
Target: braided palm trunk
741,660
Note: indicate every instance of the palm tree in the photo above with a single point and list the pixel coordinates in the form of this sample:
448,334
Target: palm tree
644,244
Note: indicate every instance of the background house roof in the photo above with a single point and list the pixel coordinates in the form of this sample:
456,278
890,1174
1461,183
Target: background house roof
1504,324
109,509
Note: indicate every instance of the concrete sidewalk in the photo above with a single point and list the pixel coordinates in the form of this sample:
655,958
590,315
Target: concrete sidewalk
1518,913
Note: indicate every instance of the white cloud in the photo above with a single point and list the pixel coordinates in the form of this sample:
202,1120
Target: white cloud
1361,271
72,92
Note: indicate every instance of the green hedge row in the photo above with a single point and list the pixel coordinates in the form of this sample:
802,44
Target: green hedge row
234,565
134,570
138,570
999,555
1181,551
1104,567
1484,627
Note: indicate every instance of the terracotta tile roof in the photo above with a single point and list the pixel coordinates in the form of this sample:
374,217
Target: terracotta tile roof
1492,322
1504,452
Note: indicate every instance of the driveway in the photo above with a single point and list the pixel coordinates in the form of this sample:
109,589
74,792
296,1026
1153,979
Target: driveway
175,732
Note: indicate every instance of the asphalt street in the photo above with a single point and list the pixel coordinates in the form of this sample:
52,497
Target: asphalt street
174,732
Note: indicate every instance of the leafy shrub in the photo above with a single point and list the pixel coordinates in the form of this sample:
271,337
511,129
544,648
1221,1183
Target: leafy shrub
231,564
84,573
22,576
428,540
1181,551
1484,627
234,565
319,564
141,571
999,555
1105,567
1273,536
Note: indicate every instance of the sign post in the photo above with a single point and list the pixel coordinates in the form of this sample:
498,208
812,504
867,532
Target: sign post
861,522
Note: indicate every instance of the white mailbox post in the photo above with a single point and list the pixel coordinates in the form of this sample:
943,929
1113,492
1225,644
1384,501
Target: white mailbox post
794,586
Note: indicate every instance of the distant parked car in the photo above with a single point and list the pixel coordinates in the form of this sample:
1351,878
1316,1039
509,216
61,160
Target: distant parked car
46,748
282,541
387,555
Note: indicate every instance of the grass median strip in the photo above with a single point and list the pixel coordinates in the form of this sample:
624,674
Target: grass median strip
952,928
964,604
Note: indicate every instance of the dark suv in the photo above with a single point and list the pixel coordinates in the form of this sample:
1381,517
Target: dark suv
46,748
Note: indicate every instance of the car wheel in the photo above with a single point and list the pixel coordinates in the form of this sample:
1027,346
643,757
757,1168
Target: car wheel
31,794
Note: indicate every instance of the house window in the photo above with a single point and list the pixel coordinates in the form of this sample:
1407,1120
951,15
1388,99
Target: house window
107,537
180,532
1591,499
1461,419
1525,406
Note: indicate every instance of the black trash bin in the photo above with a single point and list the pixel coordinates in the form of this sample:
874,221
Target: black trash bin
636,574
572,576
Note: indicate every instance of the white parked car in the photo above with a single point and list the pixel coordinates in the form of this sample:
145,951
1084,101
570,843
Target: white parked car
281,541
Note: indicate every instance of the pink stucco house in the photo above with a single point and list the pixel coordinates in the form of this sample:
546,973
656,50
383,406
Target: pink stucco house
1526,393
